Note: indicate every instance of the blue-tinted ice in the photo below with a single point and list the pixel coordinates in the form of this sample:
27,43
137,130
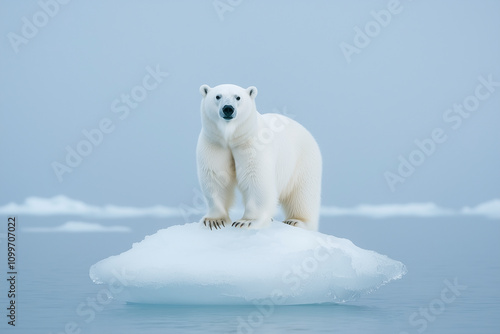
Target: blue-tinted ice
190,264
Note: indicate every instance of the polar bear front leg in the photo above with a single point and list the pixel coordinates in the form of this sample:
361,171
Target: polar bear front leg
256,182
217,180
258,209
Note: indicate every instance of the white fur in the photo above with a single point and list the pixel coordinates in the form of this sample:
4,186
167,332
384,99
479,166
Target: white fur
271,159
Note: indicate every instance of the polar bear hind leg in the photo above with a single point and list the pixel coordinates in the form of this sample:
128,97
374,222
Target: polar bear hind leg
302,203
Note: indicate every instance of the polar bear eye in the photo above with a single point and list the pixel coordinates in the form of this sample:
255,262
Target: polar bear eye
218,97
237,98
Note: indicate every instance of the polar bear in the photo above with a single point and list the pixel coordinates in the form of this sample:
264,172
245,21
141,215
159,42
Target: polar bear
269,157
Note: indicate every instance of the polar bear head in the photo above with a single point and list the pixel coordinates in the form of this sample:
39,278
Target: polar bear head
228,103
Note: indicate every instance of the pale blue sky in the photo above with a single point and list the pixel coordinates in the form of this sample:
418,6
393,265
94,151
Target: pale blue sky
364,114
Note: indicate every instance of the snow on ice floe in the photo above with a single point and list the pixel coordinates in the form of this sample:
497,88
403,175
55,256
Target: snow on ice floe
189,264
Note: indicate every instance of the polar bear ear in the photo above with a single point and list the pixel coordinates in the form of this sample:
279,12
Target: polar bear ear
204,89
252,91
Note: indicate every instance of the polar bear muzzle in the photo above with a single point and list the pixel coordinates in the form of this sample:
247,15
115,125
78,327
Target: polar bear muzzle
227,112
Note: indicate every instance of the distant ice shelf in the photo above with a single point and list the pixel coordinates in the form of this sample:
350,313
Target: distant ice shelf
190,264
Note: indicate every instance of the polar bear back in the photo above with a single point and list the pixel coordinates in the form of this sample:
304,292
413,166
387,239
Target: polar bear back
296,152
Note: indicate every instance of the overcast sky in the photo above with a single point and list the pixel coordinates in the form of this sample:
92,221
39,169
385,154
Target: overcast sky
367,78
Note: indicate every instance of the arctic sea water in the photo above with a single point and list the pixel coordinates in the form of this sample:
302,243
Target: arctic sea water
451,285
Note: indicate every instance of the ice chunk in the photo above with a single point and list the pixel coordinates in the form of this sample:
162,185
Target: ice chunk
77,227
189,264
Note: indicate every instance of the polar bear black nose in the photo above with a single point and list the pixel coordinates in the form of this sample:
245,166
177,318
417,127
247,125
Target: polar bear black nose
227,110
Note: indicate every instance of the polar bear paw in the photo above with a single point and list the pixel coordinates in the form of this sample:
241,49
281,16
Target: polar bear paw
294,222
216,223
243,223
253,224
